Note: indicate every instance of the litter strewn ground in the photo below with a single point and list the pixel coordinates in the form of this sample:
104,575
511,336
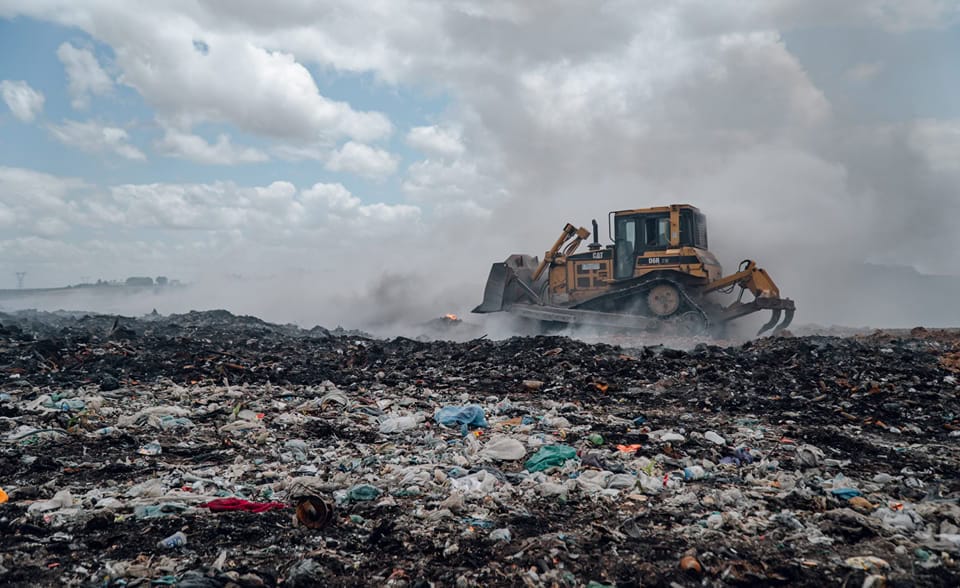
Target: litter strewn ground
530,461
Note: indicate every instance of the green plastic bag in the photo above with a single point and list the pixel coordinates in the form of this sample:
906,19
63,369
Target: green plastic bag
363,492
550,456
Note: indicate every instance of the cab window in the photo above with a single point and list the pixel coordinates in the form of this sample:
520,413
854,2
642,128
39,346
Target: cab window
693,229
625,247
656,233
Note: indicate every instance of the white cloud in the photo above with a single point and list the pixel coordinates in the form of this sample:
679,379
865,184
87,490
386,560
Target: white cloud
362,160
7,216
334,197
889,15
192,65
301,152
552,112
24,102
864,72
50,226
388,213
463,209
334,201
94,137
195,148
261,91
938,141
19,186
435,140
206,207
35,202
260,212
32,249
84,74
914,15
437,181
48,205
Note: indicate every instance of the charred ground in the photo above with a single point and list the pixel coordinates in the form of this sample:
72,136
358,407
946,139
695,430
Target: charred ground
883,411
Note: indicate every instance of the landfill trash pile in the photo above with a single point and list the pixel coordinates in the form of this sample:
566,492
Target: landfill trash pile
206,450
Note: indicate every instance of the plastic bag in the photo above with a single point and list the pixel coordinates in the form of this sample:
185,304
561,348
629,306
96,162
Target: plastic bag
503,449
466,416
550,456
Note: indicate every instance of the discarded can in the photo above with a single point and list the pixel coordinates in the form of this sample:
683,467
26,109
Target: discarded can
178,539
314,513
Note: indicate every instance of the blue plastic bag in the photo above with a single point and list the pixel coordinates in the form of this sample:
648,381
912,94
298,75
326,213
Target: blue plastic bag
465,416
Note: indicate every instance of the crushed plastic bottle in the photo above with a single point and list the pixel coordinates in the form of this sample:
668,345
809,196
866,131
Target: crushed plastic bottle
70,404
715,438
178,539
694,473
152,448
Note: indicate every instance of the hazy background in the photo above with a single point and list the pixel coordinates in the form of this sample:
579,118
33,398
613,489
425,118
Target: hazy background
357,162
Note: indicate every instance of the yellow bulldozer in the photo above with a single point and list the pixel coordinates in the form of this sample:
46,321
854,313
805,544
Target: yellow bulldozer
657,275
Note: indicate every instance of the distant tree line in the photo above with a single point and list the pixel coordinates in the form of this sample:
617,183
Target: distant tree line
148,282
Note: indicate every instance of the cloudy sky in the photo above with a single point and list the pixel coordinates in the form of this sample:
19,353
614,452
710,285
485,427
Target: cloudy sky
363,146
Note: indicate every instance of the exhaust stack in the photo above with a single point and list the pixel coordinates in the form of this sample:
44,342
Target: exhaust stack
596,238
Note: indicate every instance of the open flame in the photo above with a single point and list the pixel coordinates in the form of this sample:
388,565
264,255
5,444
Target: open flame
451,317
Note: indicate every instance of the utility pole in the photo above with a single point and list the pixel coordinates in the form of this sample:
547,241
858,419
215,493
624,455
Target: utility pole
20,276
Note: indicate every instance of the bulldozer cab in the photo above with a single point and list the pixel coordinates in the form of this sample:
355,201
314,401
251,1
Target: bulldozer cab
638,232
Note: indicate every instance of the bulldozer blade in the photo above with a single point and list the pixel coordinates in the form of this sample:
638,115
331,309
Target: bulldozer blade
496,287
774,319
509,282
787,319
